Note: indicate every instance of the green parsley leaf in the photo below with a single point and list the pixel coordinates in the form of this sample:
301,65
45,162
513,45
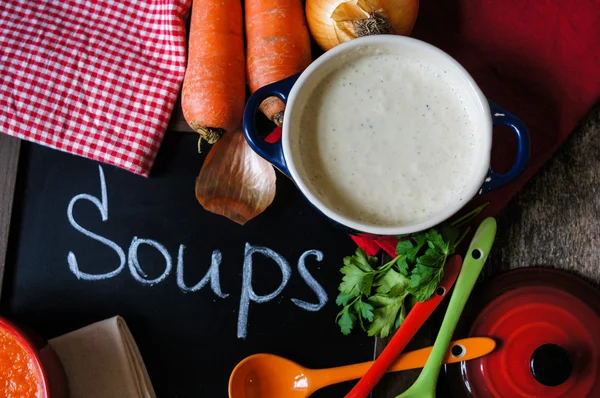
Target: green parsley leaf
407,248
343,298
425,290
385,314
435,241
420,238
358,274
399,284
391,283
346,320
420,275
401,316
427,274
354,281
403,265
365,310
432,258
404,246
361,260
411,255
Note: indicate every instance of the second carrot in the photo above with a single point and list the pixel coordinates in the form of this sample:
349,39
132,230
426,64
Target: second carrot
278,46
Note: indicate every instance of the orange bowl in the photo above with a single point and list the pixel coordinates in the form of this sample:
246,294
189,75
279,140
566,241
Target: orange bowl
38,362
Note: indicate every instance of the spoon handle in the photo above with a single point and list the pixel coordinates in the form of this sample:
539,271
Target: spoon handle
413,322
472,347
473,264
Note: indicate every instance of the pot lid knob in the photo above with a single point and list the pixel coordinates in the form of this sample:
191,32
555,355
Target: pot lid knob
551,365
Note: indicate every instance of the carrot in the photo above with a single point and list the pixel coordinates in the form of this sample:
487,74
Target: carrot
214,91
278,46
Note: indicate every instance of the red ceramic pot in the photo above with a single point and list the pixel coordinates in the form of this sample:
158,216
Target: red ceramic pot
47,366
546,324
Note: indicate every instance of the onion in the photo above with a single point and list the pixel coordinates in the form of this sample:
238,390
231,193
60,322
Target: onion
333,22
234,181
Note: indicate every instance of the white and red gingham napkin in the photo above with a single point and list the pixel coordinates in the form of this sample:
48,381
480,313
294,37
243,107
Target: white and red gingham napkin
96,78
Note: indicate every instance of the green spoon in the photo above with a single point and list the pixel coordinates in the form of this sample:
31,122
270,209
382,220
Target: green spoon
475,258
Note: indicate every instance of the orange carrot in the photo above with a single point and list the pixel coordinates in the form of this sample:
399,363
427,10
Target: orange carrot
278,46
214,91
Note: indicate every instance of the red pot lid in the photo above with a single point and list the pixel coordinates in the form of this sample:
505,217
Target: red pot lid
547,327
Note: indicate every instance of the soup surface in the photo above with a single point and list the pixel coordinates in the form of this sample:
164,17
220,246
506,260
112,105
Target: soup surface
18,374
386,140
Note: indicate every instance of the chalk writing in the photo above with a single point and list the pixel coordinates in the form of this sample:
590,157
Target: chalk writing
102,206
213,274
248,293
134,265
311,282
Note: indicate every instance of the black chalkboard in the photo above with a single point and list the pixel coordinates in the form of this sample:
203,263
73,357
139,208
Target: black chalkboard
188,340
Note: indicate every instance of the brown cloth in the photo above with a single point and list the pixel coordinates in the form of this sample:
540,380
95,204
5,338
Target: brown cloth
102,361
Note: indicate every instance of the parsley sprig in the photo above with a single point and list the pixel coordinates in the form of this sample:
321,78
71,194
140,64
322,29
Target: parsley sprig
376,296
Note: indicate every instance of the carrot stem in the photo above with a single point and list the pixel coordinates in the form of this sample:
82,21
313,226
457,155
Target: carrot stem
214,86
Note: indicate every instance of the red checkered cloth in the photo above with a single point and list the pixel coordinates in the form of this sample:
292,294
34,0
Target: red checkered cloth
96,78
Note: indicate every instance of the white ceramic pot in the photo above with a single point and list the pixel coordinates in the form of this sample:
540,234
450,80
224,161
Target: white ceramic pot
484,115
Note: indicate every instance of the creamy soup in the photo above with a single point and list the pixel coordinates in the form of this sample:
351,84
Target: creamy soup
385,140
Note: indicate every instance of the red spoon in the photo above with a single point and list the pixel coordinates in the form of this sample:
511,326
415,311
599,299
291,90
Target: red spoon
413,322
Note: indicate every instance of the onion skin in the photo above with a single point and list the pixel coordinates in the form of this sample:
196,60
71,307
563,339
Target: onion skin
234,181
401,16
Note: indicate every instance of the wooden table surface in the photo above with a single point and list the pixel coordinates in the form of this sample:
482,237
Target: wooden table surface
9,159
553,222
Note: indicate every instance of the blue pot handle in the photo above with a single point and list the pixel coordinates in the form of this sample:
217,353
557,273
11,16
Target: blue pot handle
272,153
502,116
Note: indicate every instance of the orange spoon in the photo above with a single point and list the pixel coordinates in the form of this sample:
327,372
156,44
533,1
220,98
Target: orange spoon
267,375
